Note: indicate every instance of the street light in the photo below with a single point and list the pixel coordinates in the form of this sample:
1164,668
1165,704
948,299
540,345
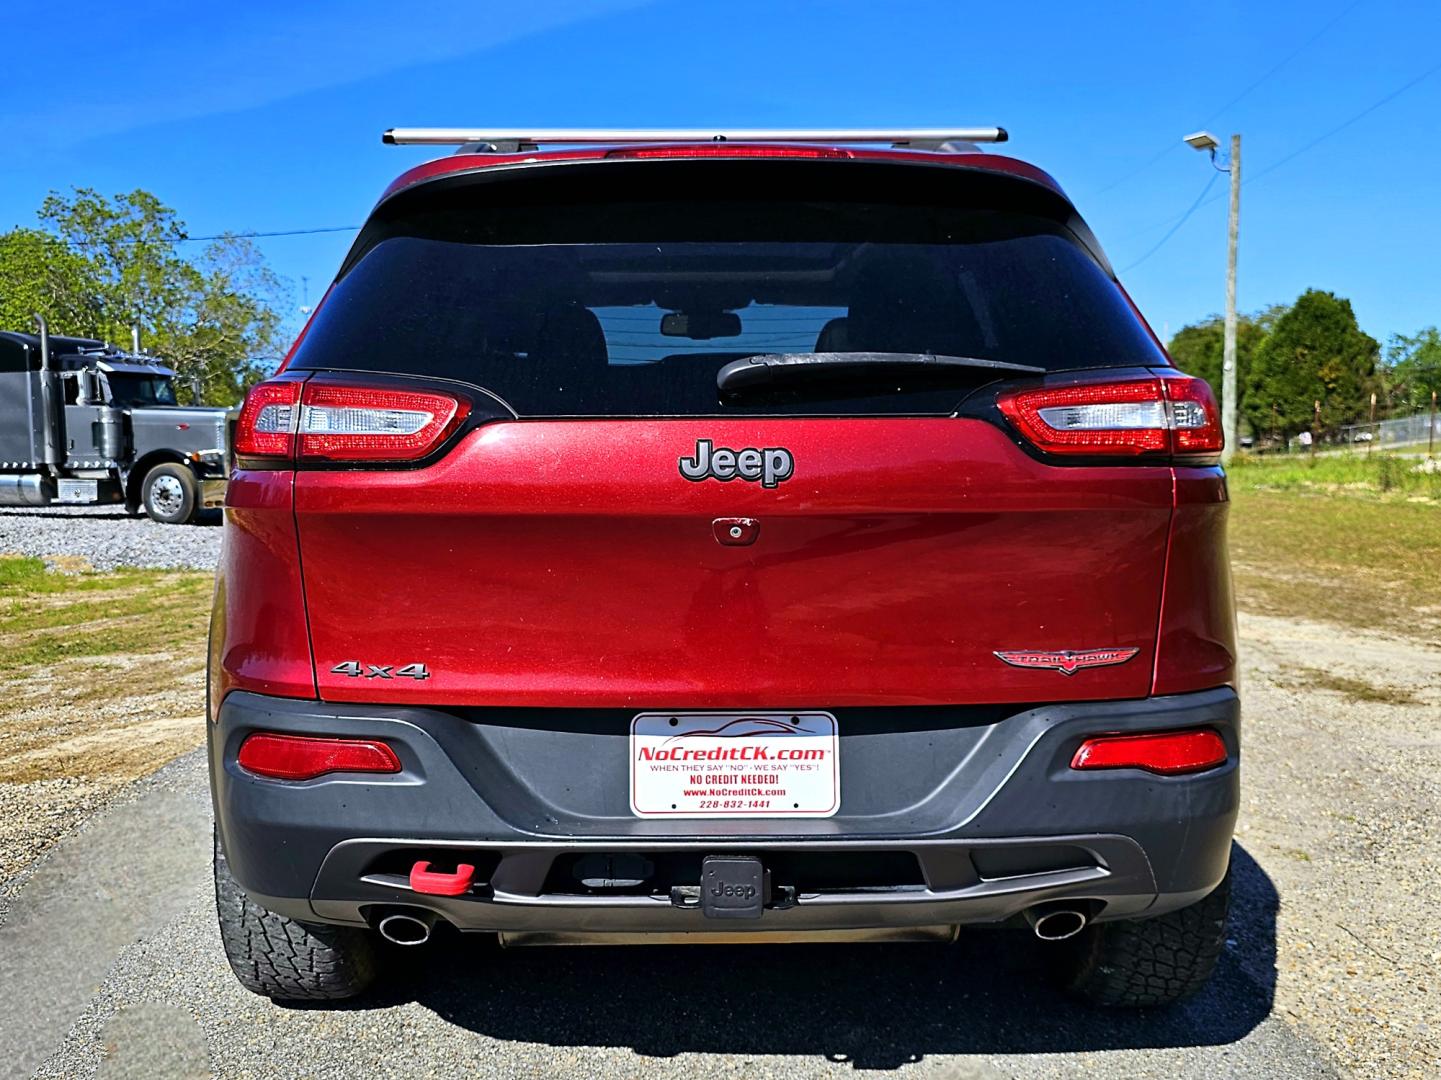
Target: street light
1206,142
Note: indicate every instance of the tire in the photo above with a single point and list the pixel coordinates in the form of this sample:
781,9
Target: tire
1147,962
170,494
284,959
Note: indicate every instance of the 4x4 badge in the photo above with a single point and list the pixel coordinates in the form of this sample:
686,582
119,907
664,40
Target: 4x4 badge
356,670
1064,660
770,465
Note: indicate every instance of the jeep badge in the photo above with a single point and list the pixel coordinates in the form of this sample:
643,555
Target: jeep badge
770,466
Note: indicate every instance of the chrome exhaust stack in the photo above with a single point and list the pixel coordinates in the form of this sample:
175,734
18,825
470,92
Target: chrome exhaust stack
1057,921
405,926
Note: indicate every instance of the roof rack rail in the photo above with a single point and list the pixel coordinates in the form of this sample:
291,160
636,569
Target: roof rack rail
512,140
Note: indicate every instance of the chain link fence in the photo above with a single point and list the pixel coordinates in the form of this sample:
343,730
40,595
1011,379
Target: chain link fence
1403,431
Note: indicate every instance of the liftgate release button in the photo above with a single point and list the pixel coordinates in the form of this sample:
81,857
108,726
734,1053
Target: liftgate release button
732,887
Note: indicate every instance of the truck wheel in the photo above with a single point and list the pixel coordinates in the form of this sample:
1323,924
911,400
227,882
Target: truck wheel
170,494
1143,962
284,959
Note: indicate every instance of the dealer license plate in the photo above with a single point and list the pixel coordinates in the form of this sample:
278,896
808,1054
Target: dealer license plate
722,765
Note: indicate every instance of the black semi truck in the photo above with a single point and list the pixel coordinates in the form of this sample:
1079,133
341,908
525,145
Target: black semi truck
82,422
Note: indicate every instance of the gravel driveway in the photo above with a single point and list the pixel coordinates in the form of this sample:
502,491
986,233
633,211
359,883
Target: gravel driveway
106,537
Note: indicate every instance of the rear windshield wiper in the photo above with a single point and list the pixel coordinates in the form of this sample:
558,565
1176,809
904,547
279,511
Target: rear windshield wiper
773,369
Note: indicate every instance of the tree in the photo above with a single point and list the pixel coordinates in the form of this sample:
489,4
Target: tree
40,275
102,264
1315,352
1197,349
1413,369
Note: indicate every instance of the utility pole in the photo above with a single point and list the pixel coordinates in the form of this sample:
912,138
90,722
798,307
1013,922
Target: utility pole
1228,355
1204,140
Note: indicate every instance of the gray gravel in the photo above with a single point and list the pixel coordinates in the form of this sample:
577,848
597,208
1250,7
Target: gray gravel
106,537
170,1007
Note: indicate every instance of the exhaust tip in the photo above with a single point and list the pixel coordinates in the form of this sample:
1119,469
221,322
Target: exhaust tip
406,927
1056,922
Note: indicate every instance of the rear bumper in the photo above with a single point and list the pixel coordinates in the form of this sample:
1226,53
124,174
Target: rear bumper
947,818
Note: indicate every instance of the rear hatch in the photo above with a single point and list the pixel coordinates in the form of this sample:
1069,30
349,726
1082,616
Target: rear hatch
602,525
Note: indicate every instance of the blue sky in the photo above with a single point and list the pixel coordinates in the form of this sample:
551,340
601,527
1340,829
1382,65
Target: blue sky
267,116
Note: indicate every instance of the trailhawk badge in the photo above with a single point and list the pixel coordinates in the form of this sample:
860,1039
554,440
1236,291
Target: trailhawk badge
770,465
1064,660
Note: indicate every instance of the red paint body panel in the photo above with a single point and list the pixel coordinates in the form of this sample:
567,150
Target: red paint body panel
1196,646
259,637
568,563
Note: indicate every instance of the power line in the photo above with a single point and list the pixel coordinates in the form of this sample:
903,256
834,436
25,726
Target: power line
1317,141
1238,98
1345,123
1289,57
250,235
1174,228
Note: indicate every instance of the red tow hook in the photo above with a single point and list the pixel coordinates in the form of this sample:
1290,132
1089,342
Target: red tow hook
432,883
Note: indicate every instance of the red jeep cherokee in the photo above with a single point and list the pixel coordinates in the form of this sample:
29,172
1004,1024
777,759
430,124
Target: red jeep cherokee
765,538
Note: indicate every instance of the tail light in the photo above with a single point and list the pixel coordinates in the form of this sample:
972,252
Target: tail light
337,422
300,757
1168,753
266,428
1170,415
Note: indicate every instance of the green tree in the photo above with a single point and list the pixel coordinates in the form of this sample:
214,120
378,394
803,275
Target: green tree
102,264
1412,371
40,274
1315,352
1198,349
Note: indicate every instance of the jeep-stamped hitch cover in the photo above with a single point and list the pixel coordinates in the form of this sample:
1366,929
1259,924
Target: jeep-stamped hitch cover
732,887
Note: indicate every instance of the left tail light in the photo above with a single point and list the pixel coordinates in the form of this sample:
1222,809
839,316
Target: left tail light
339,422
266,428
1175,414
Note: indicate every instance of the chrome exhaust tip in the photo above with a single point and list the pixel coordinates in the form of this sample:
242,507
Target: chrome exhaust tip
1056,922
409,927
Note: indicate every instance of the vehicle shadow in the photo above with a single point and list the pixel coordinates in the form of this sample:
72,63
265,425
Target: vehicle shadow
874,1006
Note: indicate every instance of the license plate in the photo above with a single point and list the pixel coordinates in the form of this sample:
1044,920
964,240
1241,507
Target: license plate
724,765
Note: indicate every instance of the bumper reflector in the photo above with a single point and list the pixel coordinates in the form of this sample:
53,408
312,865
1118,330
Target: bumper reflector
297,757
1168,753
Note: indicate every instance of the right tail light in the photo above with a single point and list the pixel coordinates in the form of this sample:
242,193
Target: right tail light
1175,415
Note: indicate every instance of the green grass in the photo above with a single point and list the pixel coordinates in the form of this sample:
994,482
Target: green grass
1345,556
48,617
1376,475
20,575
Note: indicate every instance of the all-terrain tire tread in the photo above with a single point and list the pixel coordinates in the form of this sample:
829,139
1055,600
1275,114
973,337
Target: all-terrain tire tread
284,959
1147,962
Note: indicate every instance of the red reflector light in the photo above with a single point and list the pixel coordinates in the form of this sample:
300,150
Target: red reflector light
730,150
298,757
1168,753
1176,415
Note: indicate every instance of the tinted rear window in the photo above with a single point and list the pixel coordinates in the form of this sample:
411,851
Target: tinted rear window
631,310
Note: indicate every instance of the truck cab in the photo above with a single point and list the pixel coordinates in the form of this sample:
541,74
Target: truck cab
82,422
